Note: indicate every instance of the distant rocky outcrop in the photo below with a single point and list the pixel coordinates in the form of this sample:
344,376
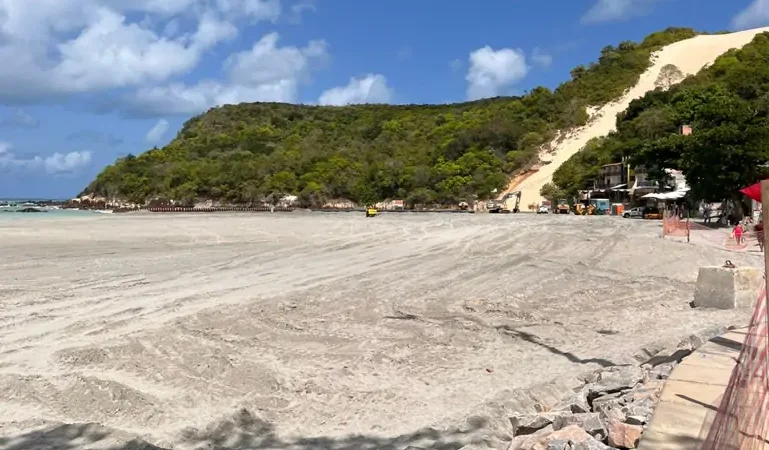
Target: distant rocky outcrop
31,210
93,202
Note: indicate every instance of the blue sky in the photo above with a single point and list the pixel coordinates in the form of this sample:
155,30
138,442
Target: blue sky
86,81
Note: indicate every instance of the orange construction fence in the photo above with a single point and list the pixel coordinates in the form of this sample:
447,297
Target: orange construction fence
673,225
741,422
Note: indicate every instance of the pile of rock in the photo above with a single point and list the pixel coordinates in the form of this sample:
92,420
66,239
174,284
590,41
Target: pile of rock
609,411
613,406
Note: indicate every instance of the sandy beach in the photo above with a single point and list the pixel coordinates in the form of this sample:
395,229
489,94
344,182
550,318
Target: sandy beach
323,331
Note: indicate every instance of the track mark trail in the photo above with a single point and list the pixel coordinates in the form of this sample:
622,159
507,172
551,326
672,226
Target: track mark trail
321,324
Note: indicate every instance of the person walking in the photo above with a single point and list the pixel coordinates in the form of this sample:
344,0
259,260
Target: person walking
737,233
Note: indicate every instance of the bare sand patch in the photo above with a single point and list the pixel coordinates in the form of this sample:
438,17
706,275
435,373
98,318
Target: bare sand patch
296,331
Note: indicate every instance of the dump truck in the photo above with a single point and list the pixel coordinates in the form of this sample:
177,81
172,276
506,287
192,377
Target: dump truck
563,207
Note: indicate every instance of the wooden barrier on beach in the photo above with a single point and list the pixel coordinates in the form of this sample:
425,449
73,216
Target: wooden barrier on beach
219,209
382,211
170,209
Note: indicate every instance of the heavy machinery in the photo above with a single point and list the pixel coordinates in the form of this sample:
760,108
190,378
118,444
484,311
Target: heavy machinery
500,207
584,208
517,195
652,212
562,207
496,207
371,211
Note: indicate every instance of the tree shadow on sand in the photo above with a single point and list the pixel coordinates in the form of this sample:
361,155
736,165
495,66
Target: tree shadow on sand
534,339
242,431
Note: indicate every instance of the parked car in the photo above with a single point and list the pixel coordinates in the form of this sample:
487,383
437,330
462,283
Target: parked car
633,213
543,210
652,213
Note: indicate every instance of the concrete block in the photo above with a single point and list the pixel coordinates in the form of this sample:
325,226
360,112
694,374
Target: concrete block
723,288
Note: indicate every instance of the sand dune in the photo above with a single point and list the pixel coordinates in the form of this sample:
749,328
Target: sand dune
297,331
689,56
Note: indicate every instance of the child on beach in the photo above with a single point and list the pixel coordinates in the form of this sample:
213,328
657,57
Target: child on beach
737,233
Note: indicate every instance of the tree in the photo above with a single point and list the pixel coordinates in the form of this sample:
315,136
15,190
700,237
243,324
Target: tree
552,192
279,185
669,75
365,153
727,105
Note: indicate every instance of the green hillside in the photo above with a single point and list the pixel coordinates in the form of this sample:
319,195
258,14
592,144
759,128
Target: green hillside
364,153
727,105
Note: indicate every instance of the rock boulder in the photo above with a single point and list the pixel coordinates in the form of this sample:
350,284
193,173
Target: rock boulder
623,435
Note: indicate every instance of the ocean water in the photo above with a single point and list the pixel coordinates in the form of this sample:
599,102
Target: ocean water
11,214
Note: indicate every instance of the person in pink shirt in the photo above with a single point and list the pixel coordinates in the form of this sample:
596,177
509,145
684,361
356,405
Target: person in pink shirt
737,233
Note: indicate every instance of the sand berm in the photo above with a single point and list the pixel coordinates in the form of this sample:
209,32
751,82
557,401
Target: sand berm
325,331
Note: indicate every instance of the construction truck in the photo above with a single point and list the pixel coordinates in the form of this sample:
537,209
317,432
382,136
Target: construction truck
584,208
562,207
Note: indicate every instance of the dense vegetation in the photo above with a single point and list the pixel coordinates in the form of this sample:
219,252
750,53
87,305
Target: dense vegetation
421,153
727,106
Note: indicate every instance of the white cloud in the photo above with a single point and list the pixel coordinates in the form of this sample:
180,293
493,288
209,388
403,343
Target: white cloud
370,89
457,65
62,163
615,10
492,71
157,132
299,9
60,47
266,72
110,53
541,59
256,9
19,119
754,15
54,164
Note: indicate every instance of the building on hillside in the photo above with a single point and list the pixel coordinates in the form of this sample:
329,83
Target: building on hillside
640,183
611,182
612,176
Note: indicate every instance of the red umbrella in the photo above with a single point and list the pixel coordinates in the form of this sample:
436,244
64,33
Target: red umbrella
753,191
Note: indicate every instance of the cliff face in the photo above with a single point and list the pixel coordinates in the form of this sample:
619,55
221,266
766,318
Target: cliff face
421,153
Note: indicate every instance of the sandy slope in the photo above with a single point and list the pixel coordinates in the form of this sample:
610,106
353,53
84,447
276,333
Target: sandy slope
689,56
294,331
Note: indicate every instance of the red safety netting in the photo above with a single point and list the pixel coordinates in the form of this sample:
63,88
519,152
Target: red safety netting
741,420
672,225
